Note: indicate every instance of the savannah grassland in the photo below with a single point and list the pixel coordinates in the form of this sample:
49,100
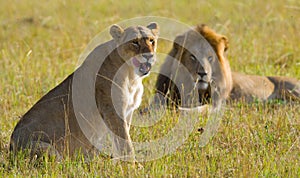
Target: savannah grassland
40,43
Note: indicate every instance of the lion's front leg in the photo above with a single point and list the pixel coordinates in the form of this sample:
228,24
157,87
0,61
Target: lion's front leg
189,97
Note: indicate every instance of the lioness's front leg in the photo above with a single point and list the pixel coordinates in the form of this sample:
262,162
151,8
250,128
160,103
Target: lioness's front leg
122,144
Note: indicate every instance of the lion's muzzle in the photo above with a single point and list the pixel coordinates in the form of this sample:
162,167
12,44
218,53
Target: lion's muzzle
202,80
202,85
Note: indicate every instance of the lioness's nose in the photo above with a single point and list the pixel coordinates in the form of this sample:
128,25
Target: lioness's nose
147,56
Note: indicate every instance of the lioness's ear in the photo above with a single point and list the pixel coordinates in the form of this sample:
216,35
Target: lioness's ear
116,32
153,26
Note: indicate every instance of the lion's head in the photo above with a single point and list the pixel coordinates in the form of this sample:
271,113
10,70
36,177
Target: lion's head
221,72
196,55
201,52
137,45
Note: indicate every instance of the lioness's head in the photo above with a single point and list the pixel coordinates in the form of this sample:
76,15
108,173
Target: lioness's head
137,46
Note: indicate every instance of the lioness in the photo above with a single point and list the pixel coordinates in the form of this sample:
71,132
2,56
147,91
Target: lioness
236,86
52,125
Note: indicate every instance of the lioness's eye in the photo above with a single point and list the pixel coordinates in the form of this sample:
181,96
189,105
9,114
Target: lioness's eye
210,58
193,57
152,41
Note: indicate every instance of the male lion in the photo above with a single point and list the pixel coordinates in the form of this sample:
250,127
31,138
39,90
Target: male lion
196,61
235,86
53,124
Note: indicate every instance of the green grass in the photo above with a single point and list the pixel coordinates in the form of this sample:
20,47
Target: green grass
40,44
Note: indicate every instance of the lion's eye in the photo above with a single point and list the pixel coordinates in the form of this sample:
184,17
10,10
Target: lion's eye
135,43
210,58
193,57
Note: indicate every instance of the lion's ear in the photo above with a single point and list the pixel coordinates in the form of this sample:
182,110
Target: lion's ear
222,46
225,42
116,32
178,47
153,26
178,42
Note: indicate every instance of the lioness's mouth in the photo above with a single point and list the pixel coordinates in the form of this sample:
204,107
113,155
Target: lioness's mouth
144,68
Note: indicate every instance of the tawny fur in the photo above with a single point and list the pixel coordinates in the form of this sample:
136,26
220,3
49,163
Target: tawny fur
249,88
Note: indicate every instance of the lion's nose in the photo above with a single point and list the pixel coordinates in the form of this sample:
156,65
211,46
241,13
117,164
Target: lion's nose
147,56
202,74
